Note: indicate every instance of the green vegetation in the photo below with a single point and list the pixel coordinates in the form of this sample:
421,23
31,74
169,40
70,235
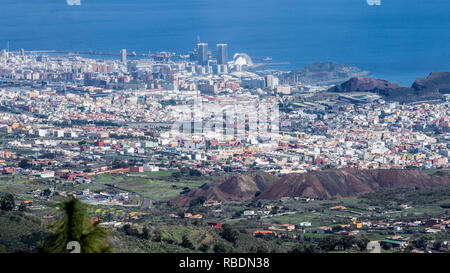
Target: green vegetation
163,228
20,232
153,185
408,196
74,225
7,202
165,237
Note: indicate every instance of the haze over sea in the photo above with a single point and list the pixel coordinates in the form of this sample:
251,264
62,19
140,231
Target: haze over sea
398,40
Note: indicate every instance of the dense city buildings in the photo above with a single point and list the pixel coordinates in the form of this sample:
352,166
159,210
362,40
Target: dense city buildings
316,128
171,139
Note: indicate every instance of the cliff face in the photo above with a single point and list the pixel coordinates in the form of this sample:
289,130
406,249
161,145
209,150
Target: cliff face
436,81
432,87
342,183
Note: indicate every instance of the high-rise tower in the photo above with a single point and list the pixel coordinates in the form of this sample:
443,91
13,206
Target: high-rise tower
202,51
222,53
123,56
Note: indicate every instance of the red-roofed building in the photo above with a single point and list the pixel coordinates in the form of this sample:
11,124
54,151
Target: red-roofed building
215,225
338,208
263,233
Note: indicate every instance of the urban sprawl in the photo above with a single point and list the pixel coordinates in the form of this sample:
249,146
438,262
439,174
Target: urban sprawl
80,125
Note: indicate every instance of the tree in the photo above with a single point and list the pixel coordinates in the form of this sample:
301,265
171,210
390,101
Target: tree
176,175
47,192
198,201
329,243
387,246
437,245
230,234
157,235
275,210
261,249
145,233
74,225
204,248
23,207
184,171
193,172
24,164
117,164
305,248
336,228
420,242
220,248
186,243
7,202
347,242
310,248
362,243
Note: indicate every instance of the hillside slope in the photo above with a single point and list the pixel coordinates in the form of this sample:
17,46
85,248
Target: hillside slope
342,183
327,73
437,81
19,232
234,188
431,87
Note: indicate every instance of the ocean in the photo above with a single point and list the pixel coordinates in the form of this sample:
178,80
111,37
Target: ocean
398,40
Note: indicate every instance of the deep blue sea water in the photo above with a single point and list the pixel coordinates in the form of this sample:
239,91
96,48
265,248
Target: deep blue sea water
398,40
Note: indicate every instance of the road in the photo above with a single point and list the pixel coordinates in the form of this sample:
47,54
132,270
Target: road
145,204
262,217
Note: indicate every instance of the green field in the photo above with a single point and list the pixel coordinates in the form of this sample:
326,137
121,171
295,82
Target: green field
153,185
19,185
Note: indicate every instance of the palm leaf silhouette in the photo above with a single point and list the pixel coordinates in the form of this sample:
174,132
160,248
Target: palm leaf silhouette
74,225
